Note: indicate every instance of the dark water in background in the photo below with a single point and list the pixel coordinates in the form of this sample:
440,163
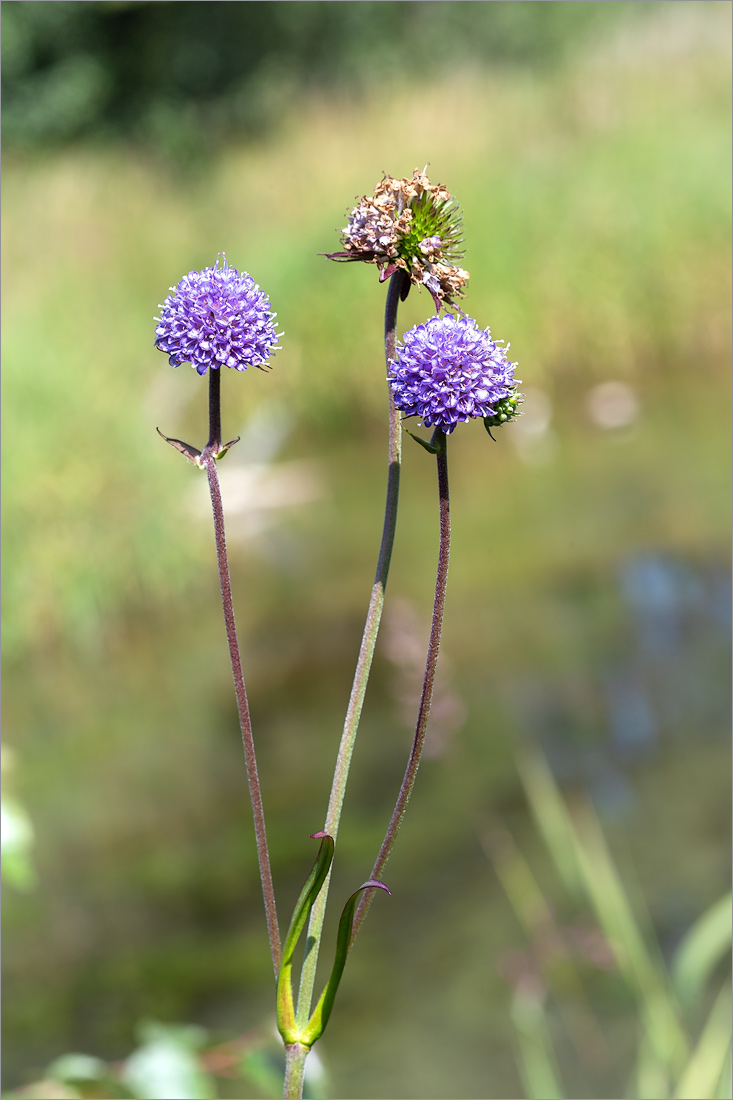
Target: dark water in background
670,678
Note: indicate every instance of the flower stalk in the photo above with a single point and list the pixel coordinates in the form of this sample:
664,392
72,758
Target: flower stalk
214,442
439,445
213,319
208,461
296,1055
397,288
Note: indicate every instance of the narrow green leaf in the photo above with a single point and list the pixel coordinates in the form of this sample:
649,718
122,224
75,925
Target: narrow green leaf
433,450
285,1007
536,1060
639,961
317,1023
724,1088
700,951
551,816
581,855
650,1079
708,1060
522,889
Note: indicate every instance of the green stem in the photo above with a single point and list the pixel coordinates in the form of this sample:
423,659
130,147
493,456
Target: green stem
295,1056
369,638
439,440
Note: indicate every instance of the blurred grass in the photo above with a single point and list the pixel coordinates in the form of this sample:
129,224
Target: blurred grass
597,219
668,1062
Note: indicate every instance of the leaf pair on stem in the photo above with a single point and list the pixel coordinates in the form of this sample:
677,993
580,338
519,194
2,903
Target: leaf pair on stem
286,1018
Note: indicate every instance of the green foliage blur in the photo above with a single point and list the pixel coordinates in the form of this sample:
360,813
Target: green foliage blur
179,76
589,147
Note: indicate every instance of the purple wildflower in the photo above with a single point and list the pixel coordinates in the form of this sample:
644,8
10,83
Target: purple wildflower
217,318
449,370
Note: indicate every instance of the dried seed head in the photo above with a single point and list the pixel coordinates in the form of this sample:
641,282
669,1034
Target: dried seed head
410,224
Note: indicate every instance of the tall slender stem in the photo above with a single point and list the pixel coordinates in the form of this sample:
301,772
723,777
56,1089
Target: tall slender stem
439,440
396,288
208,460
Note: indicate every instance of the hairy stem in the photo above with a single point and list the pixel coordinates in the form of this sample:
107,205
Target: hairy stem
295,1056
439,440
214,411
396,288
208,461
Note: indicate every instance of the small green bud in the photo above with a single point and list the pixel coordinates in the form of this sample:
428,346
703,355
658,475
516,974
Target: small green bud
504,411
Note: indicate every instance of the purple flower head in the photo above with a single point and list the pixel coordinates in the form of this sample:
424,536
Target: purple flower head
217,318
449,370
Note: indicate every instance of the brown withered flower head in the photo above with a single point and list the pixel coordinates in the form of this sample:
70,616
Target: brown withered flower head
412,225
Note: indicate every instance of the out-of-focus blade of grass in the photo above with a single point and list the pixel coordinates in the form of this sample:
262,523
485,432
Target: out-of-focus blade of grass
700,951
520,885
703,1073
536,1059
640,966
650,1080
551,816
725,1085
580,853
643,970
535,914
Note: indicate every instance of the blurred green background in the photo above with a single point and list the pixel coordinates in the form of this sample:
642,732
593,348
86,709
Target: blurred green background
588,605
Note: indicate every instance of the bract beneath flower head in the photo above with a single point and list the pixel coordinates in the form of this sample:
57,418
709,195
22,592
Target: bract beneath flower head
217,318
413,225
448,370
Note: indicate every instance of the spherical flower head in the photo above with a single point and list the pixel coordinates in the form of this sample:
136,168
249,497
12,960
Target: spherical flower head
217,318
413,225
449,370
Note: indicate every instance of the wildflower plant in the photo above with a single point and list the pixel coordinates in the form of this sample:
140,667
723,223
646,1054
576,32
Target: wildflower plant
445,371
